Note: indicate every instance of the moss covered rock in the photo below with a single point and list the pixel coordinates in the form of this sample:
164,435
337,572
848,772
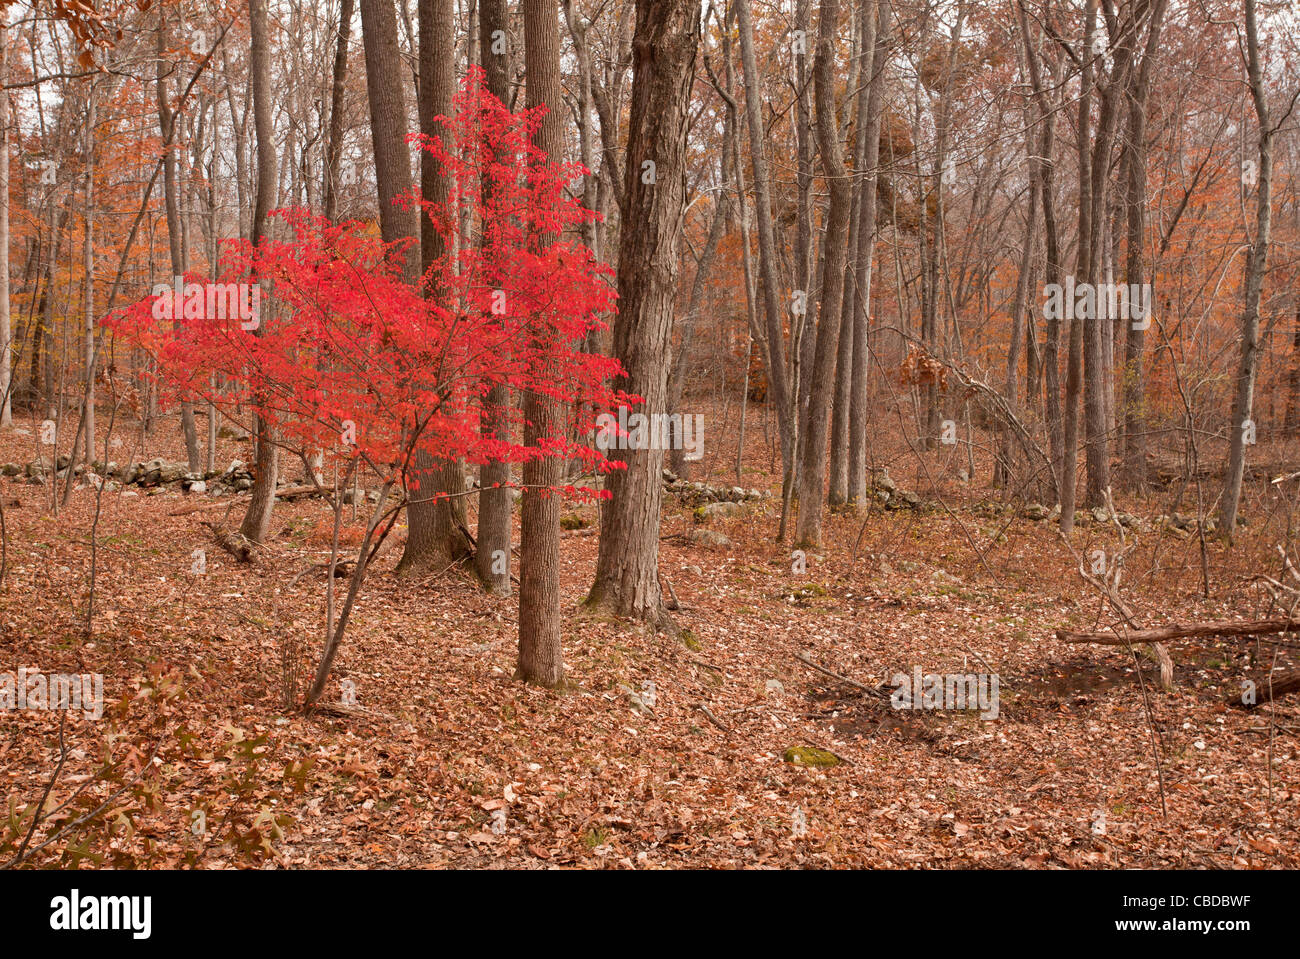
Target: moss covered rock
810,756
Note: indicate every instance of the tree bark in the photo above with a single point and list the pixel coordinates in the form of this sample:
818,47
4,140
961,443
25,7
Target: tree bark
334,145
438,535
1241,427
257,519
541,655
492,553
171,189
877,26
812,470
664,46
774,338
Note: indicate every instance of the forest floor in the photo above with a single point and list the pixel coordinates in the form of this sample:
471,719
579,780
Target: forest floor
666,751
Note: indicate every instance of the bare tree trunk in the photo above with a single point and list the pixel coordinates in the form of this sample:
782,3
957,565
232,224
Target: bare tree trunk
774,338
6,331
492,554
438,534
838,492
1074,359
88,268
812,470
1135,163
541,655
334,145
876,35
166,120
664,46
1242,428
257,519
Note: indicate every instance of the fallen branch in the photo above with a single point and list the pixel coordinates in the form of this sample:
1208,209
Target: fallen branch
870,690
1161,634
712,718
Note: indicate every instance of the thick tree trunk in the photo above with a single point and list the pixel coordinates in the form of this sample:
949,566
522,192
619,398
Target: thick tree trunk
812,470
664,46
541,656
438,534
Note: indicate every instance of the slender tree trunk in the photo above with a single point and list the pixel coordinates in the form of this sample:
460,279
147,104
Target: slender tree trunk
812,471
838,492
171,189
6,331
876,34
492,553
1241,429
257,519
88,268
334,145
774,336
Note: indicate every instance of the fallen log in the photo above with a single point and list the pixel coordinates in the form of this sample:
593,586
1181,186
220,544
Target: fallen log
235,544
1162,634
1268,689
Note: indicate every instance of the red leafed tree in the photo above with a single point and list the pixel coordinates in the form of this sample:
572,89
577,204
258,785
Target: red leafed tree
363,366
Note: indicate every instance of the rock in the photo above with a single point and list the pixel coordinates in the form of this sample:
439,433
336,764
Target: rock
880,480
37,469
708,538
810,756
1100,515
774,686
242,484
696,570
198,486
722,510
573,521
10,469
1035,511
670,476
172,472
63,460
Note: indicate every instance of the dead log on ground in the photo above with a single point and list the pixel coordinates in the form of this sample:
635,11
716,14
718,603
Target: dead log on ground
1162,634
1269,689
233,543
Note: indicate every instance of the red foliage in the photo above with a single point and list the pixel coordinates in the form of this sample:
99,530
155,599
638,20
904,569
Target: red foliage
348,358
